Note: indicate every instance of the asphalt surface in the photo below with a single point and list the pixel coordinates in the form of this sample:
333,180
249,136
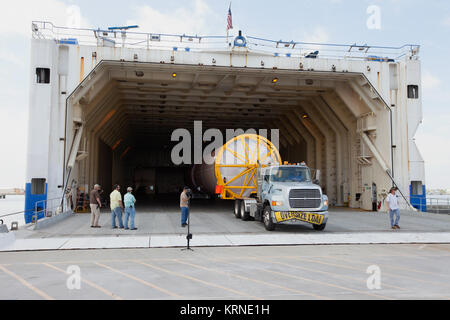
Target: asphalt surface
242,273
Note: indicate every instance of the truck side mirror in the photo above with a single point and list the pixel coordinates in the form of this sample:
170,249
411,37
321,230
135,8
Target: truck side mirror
316,181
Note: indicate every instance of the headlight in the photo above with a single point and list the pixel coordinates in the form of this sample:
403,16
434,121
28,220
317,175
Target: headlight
277,203
325,203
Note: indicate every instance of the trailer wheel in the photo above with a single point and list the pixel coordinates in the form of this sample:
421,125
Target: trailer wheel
237,209
267,218
319,227
244,215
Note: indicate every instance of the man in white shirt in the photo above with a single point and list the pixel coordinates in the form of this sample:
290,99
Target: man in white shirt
392,204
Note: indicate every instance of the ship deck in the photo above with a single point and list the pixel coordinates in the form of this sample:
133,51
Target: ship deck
213,224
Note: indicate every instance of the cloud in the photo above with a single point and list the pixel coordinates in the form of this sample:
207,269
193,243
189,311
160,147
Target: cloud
446,22
197,19
429,81
431,139
13,162
10,58
17,15
318,35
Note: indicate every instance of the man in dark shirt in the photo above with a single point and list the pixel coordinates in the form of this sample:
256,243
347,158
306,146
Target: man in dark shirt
96,204
184,205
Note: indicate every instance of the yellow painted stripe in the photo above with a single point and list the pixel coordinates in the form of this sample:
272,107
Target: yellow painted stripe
240,293
344,267
317,281
26,284
396,275
412,270
357,269
325,272
250,279
93,285
225,259
148,284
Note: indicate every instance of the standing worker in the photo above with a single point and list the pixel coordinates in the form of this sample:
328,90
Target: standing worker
392,206
130,210
69,200
184,205
116,207
95,204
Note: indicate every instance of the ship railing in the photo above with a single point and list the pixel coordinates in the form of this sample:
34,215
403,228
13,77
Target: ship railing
15,213
430,203
438,205
49,207
220,43
13,221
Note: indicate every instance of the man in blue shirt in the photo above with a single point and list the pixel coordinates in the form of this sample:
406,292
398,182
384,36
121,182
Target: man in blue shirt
130,211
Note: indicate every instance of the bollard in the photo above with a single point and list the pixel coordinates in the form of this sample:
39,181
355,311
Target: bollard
3,228
14,226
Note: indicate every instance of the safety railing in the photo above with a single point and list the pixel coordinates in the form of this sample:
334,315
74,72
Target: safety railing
429,203
183,42
15,218
47,208
42,209
438,205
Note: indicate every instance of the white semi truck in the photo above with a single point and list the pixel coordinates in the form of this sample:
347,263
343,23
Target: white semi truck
286,194
248,169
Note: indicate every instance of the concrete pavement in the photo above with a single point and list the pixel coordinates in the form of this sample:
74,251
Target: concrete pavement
306,272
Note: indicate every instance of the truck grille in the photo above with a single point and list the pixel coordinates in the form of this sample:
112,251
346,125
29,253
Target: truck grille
305,198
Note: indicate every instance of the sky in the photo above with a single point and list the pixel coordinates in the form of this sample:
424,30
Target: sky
426,23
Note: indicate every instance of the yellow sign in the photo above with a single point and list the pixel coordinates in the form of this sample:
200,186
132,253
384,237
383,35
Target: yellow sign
313,218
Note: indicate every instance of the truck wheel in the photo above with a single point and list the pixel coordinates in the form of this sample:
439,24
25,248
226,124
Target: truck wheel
319,228
244,215
237,209
267,218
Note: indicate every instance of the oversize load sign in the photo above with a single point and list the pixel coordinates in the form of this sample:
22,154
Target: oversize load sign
302,216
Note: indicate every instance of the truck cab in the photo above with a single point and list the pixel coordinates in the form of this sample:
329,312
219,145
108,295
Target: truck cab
286,194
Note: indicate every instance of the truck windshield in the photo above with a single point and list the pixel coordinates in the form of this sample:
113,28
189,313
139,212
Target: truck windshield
291,174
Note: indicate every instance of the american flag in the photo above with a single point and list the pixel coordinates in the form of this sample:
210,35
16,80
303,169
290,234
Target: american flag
229,19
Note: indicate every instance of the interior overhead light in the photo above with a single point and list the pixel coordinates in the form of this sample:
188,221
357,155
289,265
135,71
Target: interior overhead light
305,116
174,75
105,120
125,152
275,80
139,74
117,144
